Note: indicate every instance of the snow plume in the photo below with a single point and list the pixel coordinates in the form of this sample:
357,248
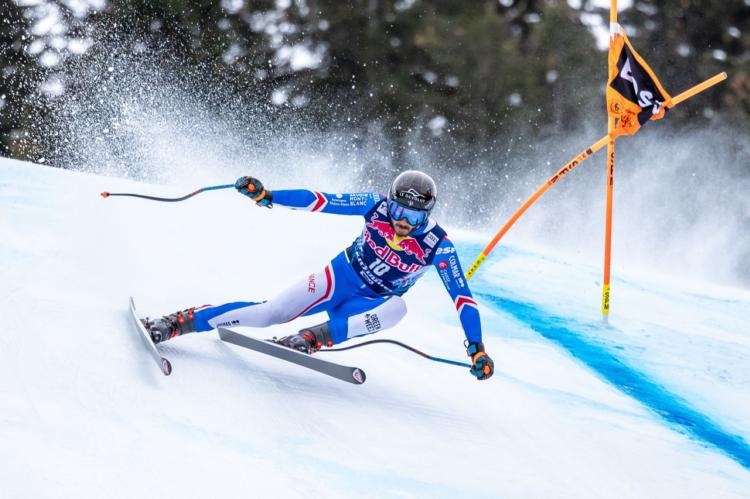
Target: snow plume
680,200
140,112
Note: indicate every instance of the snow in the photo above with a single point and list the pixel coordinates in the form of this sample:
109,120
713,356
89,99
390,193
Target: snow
655,404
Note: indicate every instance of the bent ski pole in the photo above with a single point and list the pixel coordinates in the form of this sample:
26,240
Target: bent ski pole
393,342
533,198
106,194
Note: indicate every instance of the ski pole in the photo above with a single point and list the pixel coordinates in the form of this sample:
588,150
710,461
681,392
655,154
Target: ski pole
106,194
393,342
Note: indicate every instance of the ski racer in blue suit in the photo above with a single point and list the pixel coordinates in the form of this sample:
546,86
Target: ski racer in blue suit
361,287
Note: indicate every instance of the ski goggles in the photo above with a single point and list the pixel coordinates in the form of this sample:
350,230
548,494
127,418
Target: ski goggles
412,216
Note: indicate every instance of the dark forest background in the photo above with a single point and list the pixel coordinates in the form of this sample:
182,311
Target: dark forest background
437,73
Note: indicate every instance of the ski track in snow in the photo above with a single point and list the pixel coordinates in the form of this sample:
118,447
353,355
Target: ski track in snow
656,405
626,378
616,354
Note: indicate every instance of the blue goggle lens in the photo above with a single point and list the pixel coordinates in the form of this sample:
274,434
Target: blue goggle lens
400,212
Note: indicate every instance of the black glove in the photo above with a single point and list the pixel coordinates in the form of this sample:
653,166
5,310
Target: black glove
482,365
253,188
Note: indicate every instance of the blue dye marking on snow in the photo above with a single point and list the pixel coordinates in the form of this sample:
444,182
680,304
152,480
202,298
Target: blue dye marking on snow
670,407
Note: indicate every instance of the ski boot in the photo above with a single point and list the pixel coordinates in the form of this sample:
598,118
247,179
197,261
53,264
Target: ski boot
171,325
308,340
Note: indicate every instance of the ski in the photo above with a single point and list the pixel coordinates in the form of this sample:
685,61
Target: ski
163,363
353,375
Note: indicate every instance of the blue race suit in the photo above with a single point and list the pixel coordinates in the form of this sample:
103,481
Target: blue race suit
361,287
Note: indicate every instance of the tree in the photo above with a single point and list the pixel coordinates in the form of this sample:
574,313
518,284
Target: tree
19,78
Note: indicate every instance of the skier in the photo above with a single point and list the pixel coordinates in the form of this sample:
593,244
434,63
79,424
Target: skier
361,288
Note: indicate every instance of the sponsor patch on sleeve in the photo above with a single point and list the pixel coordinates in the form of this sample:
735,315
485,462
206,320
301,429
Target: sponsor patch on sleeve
431,239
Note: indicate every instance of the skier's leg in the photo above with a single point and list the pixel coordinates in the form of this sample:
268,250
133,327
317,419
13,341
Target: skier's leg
365,315
313,292
318,292
357,316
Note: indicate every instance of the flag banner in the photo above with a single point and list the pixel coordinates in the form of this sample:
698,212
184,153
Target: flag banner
634,94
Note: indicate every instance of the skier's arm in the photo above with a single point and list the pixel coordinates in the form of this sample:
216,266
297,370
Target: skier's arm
355,203
448,267
350,203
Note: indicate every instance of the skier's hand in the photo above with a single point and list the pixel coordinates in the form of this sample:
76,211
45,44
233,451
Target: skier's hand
482,365
253,188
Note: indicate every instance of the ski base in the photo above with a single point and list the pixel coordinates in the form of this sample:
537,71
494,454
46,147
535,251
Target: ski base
353,375
164,364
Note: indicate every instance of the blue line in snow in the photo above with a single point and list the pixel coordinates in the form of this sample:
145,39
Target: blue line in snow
637,385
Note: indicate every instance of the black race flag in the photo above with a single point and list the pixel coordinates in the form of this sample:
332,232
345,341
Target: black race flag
634,94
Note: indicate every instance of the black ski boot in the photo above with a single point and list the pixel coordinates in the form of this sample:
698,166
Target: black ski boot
308,340
171,325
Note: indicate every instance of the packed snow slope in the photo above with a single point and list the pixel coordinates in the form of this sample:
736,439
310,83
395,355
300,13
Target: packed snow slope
656,404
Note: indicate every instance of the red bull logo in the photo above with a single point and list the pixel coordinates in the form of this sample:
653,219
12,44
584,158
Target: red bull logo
412,247
408,245
391,257
385,229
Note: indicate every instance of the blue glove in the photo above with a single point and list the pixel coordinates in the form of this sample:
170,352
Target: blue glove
482,365
253,188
